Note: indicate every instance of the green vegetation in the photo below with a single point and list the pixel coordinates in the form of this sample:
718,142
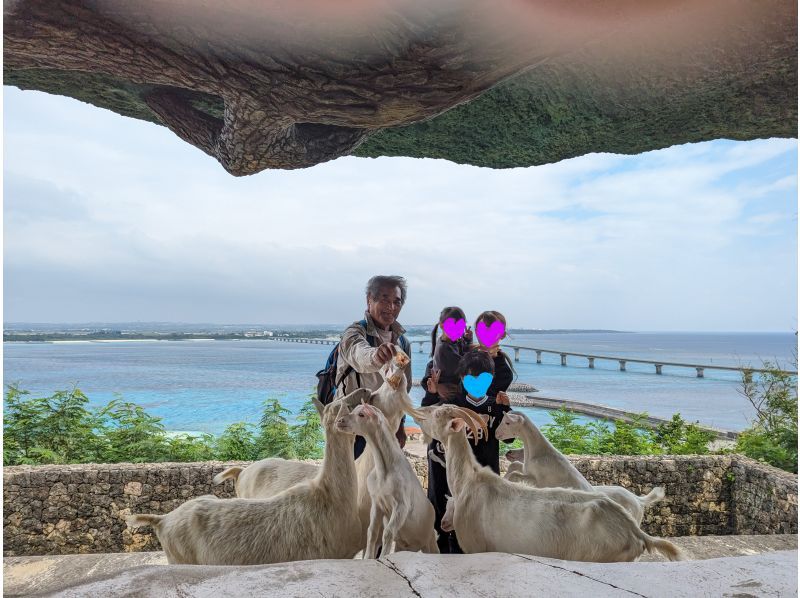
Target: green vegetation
62,428
773,436
676,437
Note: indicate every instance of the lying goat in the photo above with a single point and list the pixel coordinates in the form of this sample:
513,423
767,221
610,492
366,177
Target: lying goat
399,506
545,467
267,477
491,514
315,519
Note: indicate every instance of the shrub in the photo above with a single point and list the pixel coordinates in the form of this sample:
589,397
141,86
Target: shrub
62,429
274,439
624,438
237,443
773,435
307,437
679,438
55,429
131,434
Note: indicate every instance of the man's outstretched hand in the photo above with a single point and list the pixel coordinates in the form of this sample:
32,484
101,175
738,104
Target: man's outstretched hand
385,353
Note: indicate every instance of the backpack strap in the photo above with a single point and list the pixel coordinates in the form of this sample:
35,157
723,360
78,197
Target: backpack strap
404,344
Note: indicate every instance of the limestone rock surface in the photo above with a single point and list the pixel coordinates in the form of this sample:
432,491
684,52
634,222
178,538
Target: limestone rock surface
262,85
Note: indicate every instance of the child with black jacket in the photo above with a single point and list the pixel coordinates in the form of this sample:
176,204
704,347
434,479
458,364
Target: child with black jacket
487,450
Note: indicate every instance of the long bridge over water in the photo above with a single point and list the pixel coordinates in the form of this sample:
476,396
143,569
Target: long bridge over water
591,358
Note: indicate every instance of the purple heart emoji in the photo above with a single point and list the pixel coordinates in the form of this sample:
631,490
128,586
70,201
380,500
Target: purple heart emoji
454,329
489,335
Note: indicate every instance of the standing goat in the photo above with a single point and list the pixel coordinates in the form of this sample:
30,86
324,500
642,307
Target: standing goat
270,476
545,467
392,399
491,514
315,519
399,505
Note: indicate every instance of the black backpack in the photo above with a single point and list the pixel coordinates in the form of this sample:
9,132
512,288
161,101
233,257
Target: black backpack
328,382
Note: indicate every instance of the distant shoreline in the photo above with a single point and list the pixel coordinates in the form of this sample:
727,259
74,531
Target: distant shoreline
125,336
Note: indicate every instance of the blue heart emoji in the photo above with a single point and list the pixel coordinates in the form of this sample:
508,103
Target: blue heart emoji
477,386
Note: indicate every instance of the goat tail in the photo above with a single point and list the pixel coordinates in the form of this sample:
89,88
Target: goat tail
655,495
143,519
665,547
231,472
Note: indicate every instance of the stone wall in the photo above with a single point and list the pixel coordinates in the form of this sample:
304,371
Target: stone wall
67,509
766,498
698,492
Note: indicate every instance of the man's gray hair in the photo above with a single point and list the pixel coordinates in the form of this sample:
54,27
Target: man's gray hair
376,283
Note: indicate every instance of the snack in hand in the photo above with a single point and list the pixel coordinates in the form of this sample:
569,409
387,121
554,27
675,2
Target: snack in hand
401,359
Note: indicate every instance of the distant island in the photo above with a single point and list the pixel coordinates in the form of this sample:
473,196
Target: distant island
177,332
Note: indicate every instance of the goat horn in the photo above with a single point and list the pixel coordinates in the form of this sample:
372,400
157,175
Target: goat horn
475,423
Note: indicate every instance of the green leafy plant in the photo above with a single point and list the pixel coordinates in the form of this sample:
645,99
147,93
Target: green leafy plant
773,435
274,439
237,443
132,434
307,437
569,436
185,448
624,438
62,429
55,429
680,438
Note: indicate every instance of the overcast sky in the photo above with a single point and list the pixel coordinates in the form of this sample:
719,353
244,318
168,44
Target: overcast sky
111,219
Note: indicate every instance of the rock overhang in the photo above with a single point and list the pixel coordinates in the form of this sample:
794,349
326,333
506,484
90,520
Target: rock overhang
537,85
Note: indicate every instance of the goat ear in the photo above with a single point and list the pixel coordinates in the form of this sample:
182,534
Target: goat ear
355,397
457,424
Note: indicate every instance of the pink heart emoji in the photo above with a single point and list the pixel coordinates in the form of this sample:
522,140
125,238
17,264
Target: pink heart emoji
489,335
454,329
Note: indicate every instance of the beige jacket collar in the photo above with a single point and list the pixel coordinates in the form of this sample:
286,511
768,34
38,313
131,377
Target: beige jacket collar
372,330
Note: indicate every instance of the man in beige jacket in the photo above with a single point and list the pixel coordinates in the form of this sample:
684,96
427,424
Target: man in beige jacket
386,296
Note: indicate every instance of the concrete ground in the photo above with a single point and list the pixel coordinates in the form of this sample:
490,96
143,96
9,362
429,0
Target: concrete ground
719,565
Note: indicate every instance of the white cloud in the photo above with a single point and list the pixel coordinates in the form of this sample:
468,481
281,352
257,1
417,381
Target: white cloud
129,223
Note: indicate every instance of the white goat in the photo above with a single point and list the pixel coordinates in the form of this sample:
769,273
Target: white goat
492,514
545,467
267,477
316,519
392,399
400,507
449,513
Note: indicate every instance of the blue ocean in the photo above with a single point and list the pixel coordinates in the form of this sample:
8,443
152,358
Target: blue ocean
203,386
